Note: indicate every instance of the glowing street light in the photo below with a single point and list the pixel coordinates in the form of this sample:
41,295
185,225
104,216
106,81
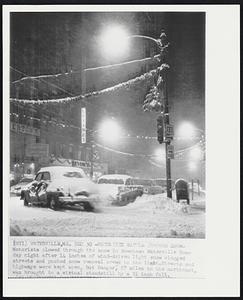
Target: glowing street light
114,41
186,130
110,131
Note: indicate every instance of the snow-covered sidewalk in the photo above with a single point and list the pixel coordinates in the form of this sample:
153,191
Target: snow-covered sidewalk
148,216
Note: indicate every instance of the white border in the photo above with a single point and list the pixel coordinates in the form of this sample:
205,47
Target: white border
222,244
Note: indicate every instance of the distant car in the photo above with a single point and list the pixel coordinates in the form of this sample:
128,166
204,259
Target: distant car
163,183
149,186
12,179
17,188
118,189
58,186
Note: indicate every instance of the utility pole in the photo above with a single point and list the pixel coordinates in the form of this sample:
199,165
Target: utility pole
192,189
92,159
164,43
167,143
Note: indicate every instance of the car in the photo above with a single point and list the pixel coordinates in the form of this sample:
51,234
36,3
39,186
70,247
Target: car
59,186
117,188
149,186
17,188
12,179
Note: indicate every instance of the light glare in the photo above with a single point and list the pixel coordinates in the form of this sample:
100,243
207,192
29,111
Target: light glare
114,41
186,130
110,131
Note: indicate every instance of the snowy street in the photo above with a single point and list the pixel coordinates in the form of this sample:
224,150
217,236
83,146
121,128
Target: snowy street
149,216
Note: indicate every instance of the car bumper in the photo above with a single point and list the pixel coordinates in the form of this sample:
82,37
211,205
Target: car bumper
78,200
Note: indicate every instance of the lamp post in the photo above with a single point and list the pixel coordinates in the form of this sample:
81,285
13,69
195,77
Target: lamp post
160,89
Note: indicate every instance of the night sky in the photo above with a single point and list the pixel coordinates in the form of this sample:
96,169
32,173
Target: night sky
50,43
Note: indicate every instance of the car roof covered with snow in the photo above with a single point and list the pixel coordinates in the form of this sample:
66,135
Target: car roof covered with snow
58,171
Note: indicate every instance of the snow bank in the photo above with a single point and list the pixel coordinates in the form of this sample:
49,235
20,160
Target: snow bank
15,230
155,203
149,216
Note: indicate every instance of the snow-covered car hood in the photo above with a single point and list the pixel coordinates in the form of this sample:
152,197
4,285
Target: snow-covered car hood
19,186
73,185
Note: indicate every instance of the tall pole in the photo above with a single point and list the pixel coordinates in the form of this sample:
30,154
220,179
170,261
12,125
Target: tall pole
92,159
164,43
167,142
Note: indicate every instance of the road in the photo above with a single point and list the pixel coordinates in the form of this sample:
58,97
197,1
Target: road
148,216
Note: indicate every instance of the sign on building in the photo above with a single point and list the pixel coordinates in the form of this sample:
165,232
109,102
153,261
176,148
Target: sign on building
22,128
83,125
37,150
170,151
169,131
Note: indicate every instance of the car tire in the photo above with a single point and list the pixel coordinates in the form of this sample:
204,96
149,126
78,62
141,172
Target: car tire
87,206
26,203
53,203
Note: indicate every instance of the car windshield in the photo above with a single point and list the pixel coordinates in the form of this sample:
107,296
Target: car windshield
73,174
110,181
26,180
146,182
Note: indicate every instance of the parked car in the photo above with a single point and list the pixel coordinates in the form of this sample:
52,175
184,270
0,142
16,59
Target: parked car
118,189
12,179
58,186
17,188
163,183
149,186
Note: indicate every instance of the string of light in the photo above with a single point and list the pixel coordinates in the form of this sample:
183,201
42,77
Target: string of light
63,125
129,153
121,152
127,85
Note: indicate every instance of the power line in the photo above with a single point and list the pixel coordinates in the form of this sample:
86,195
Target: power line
147,59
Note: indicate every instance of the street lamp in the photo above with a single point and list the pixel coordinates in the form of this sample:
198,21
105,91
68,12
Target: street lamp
187,130
117,39
110,131
114,40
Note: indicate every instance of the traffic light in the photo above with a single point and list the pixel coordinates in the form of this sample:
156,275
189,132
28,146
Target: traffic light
160,129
